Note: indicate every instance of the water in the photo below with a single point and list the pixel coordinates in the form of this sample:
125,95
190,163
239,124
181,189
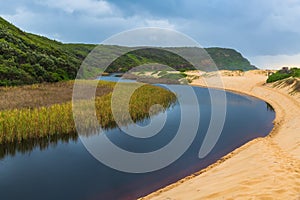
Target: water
115,77
62,168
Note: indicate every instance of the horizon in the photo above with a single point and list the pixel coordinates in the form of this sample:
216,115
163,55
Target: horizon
264,32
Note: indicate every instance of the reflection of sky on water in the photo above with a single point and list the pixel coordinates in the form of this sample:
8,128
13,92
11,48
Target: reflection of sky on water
115,78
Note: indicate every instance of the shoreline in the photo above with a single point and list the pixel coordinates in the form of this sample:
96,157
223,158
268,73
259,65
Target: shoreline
191,187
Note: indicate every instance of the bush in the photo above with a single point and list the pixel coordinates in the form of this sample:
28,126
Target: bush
162,73
174,76
279,75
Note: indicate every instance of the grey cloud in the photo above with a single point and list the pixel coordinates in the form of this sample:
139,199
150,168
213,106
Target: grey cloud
255,28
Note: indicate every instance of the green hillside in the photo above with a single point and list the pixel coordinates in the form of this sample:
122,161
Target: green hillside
229,59
27,58
225,59
149,55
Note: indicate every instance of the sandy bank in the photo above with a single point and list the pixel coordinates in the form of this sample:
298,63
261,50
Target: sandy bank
265,168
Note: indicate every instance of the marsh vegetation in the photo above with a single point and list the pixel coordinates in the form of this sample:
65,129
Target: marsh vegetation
47,111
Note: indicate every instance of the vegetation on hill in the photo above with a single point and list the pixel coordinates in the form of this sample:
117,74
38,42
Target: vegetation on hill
225,59
229,59
27,58
149,55
280,75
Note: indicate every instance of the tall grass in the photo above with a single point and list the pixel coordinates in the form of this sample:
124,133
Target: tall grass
292,83
28,123
23,124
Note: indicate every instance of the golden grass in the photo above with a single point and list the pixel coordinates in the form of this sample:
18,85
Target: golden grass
293,83
48,119
23,124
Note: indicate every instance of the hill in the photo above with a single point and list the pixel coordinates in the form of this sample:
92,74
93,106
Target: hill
229,59
26,58
225,59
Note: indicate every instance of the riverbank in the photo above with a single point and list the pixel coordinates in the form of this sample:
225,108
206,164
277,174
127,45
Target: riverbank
264,168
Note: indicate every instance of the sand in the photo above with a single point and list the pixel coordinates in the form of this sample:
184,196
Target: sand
264,168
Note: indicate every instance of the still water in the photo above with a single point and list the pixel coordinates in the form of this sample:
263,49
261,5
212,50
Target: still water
61,168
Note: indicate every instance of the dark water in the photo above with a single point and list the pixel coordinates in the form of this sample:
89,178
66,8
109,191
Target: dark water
63,169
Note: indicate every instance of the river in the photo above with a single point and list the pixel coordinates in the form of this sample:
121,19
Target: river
61,168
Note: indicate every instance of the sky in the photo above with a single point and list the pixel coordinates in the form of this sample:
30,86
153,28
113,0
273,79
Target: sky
267,32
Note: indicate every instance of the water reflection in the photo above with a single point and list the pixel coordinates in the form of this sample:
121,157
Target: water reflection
270,107
43,143
11,149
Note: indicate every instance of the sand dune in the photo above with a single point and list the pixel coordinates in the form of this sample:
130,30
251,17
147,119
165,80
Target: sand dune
265,168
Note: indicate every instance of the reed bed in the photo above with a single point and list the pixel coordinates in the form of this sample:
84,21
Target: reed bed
21,124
